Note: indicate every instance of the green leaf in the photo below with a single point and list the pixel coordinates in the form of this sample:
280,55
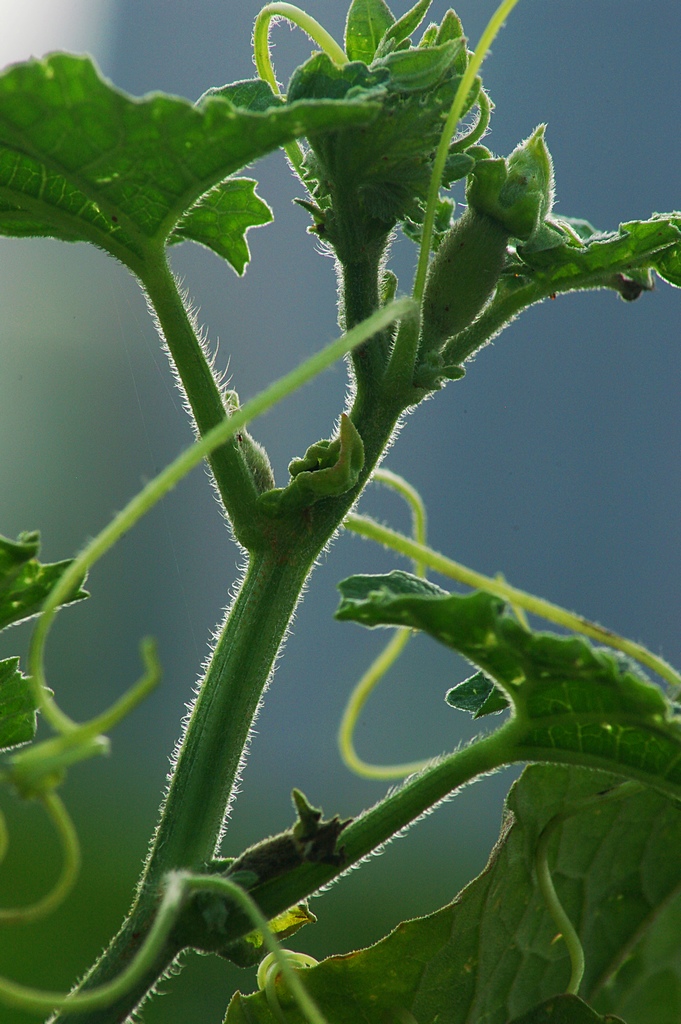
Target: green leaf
412,70
668,266
492,955
221,219
647,987
249,951
249,94
25,582
637,244
364,182
17,707
564,1009
572,702
405,26
81,160
479,695
366,23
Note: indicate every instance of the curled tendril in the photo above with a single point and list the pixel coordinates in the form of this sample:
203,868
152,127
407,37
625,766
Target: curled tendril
178,885
263,57
68,839
387,657
545,880
458,103
479,128
270,970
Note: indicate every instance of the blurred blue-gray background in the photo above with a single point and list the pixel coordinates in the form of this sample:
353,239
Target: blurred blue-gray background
554,461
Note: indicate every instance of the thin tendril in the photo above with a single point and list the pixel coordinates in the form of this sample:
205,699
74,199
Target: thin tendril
386,658
178,885
555,907
456,109
68,838
545,880
216,883
263,57
164,482
367,527
270,970
479,128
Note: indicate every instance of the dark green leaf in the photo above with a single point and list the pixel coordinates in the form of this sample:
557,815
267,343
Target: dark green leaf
382,174
647,987
478,695
81,160
25,582
564,1010
492,955
17,707
221,219
366,23
574,702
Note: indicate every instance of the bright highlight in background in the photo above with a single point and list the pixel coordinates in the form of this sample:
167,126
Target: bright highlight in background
31,28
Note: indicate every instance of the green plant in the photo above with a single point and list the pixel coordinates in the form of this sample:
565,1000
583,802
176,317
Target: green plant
81,161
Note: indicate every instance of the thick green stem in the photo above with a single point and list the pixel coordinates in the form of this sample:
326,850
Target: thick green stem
394,813
233,476
210,754
360,299
208,759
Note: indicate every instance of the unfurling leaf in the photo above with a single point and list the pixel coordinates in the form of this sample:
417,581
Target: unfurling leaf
327,469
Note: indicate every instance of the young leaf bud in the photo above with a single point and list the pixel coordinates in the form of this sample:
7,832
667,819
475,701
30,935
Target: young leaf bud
462,277
517,192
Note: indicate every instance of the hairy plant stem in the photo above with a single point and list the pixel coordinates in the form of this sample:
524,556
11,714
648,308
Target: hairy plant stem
208,759
390,816
233,477
210,754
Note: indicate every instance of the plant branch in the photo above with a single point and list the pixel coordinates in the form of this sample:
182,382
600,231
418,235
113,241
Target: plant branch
210,755
491,30
233,477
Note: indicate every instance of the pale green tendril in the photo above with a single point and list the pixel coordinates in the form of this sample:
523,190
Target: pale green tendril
159,486
68,840
37,770
270,970
263,57
178,886
479,128
386,658
545,880
369,528
465,85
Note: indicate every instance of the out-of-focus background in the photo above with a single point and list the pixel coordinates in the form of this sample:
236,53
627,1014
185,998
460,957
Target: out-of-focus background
554,461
